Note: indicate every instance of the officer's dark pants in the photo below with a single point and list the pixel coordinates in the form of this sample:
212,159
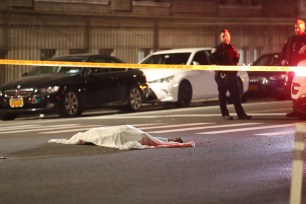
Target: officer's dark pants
229,83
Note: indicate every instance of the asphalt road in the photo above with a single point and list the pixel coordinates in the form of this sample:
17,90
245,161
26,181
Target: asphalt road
239,161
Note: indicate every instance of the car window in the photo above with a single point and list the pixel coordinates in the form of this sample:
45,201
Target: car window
97,70
173,58
275,60
105,70
263,60
201,58
69,70
43,70
54,70
272,59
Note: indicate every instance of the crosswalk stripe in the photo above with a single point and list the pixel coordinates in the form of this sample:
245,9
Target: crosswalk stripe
284,110
276,133
173,126
146,124
245,129
202,128
18,127
84,128
55,129
145,127
48,127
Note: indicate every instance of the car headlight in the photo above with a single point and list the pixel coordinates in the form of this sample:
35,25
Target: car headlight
163,80
279,77
1,94
48,90
262,80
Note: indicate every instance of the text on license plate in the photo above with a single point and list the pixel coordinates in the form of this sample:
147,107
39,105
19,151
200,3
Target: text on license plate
16,102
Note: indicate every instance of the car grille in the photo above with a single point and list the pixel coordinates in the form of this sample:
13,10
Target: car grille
12,93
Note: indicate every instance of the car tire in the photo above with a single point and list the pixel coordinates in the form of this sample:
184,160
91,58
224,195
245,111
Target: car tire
70,105
134,99
8,116
184,94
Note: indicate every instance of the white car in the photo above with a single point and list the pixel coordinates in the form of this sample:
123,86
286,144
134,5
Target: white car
298,92
184,86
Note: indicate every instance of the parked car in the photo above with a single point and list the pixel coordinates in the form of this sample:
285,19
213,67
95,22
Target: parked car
265,83
184,86
70,90
298,92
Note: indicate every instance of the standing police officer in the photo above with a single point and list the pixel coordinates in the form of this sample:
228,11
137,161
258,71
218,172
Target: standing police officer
226,54
294,50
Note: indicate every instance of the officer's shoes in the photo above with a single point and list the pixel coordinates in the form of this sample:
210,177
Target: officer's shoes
244,117
227,117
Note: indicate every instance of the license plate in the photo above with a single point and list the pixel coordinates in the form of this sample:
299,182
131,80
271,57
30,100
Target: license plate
16,102
253,87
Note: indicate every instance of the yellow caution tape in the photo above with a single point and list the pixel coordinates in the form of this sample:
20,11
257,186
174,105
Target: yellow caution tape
148,66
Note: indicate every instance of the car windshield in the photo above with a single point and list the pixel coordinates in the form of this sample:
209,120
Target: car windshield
54,70
268,60
173,58
58,69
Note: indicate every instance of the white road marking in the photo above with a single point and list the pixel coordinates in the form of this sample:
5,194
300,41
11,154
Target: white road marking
202,128
19,127
48,127
246,129
147,124
272,110
173,126
168,128
276,133
84,128
116,117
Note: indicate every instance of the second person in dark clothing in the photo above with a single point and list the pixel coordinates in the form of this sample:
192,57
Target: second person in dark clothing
226,54
294,51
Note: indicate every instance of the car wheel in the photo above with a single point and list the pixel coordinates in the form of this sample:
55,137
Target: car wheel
184,94
8,117
134,99
70,106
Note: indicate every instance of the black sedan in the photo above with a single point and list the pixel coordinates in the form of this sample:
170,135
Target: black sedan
272,84
69,90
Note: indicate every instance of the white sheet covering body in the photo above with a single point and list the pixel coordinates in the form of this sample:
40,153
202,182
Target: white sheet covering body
122,137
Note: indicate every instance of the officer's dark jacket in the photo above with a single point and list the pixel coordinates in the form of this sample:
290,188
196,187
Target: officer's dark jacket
225,55
291,48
